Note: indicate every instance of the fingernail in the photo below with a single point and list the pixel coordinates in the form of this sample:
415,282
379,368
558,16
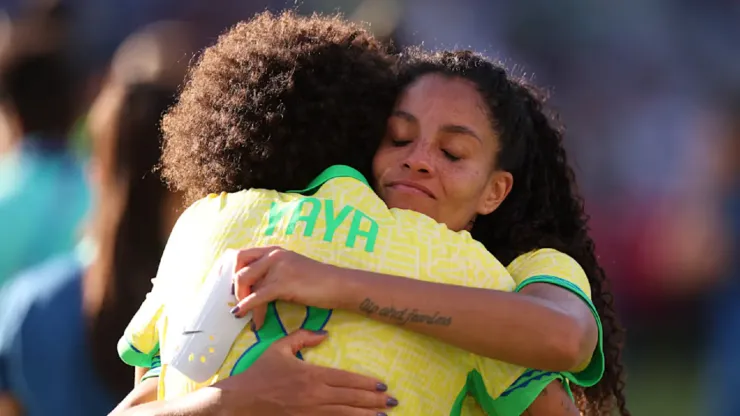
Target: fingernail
381,387
234,310
391,402
253,326
233,289
381,414
320,332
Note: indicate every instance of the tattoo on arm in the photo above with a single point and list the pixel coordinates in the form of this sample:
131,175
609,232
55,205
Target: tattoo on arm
403,316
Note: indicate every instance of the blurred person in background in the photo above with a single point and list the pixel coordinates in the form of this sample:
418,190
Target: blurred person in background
59,322
43,190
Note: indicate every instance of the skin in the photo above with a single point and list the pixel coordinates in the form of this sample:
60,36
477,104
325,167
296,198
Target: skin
439,139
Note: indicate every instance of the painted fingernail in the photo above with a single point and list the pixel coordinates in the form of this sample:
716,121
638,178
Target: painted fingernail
234,310
381,414
320,332
233,289
391,402
253,326
381,387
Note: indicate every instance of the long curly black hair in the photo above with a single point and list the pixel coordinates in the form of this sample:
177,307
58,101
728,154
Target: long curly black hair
544,208
270,89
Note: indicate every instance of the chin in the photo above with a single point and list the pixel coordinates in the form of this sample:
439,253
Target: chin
413,206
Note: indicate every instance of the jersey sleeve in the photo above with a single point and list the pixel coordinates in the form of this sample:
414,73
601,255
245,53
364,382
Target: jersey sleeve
155,370
517,397
556,268
197,240
140,341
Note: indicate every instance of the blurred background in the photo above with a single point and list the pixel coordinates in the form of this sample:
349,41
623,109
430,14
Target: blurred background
649,92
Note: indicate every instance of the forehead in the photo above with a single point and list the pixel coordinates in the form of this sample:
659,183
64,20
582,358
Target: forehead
447,99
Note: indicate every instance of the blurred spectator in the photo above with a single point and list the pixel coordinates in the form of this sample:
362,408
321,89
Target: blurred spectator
43,192
60,322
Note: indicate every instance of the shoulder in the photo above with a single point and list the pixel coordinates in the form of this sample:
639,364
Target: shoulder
549,264
204,230
215,214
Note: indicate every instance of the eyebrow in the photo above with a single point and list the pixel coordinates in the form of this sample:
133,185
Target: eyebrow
450,128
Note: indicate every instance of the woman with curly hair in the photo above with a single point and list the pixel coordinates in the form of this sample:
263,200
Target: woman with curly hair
456,110
218,142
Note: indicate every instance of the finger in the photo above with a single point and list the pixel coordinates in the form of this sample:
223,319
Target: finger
258,316
248,276
257,299
339,410
247,256
358,398
340,378
296,341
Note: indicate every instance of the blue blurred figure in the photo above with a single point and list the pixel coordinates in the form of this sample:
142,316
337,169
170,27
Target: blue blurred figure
60,321
43,189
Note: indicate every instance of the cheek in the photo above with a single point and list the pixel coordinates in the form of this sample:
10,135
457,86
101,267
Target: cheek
464,188
382,160
376,167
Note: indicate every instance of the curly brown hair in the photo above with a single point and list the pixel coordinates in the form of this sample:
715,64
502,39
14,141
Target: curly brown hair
544,208
267,91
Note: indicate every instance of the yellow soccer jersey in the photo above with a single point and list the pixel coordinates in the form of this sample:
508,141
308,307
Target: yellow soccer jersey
343,223
553,267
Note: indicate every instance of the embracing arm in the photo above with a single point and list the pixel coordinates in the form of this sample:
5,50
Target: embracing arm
145,391
277,384
198,403
553,401
543,326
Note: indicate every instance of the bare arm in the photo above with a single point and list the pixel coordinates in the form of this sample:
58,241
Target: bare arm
199,403
139,373
277,384
553,401
143,392
552,328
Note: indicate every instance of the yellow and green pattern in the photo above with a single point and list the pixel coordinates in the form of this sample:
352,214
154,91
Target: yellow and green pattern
343,223
556,268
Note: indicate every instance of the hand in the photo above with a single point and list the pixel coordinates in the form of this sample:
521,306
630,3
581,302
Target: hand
263,275
279,384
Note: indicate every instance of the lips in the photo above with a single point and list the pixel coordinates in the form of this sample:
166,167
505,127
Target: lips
408,186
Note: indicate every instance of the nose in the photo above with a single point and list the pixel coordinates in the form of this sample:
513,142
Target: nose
418,159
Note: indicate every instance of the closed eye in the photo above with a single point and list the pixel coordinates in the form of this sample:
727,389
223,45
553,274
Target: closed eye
400,143
450,156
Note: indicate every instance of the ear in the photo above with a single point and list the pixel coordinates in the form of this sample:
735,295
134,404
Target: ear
496,191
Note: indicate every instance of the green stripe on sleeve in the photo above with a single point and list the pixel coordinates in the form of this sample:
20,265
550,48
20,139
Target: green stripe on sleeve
595,369
133,357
